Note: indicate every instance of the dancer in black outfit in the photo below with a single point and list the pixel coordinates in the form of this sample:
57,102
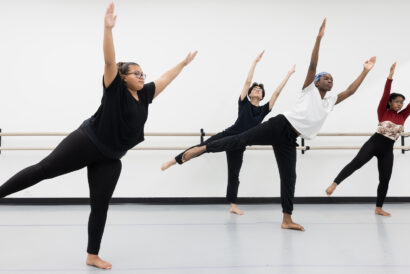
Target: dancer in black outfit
100,142
250,114
305,119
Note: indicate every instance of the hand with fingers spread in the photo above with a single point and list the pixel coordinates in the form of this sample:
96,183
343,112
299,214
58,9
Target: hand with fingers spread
110,18
189,58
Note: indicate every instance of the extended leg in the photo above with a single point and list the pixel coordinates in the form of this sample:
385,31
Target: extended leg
73,153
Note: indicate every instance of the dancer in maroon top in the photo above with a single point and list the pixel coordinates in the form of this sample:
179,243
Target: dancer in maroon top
391,121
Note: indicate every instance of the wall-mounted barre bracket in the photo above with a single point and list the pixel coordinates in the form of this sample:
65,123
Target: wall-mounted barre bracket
403,143
202,135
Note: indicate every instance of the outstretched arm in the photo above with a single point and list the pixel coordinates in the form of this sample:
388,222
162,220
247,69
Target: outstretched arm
248,81
386,93
162,82
275,95
368,65
310,77
110,68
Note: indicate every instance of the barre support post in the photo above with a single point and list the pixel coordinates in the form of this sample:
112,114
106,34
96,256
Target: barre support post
202,135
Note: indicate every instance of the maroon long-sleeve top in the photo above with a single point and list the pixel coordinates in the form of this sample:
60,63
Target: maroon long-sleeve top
390,122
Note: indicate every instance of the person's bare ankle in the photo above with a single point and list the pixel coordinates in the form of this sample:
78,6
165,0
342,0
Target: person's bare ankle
96,261
380,211
287,223
192,153
235,210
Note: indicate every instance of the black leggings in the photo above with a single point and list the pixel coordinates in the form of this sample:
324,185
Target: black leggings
73,153
278,133
381,147
234,159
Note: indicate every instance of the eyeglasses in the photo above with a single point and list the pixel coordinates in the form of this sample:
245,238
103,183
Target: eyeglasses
138,74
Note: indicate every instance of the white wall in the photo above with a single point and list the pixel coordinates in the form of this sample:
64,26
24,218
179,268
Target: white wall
52,64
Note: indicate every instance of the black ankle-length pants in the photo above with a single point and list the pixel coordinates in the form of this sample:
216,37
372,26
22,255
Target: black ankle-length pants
234,159
381,147
278,133
73,153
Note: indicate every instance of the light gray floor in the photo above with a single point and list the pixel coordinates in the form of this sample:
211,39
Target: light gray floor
160,239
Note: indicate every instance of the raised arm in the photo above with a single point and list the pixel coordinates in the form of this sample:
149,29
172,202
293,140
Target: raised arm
310,77
162,82
248,81
386,93
275,95
406,112
392,69
110,68
368,65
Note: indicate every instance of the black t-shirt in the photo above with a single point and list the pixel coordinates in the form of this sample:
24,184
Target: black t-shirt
118,124
248,116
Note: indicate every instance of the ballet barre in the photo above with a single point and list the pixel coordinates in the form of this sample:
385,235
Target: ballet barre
403,135
304,148
183,134
201,134
25,134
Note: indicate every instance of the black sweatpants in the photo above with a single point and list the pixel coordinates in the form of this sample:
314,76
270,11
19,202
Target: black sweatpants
234,159
381,147
73,153
278,132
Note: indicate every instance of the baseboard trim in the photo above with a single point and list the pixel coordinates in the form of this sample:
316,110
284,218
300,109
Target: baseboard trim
201,200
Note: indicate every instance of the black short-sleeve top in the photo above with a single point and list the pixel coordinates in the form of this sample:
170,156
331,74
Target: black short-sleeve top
118,124
248,116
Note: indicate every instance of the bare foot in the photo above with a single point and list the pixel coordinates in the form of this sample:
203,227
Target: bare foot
330,189
94,260
380,211
235,210
168,164
287,223
192,153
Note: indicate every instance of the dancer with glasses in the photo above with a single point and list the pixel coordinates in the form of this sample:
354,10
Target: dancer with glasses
101,141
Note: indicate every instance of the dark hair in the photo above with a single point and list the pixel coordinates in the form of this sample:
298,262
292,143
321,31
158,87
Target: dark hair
257,85
123,67
394,96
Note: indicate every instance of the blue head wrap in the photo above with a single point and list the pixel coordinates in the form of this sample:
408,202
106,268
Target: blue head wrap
317,77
